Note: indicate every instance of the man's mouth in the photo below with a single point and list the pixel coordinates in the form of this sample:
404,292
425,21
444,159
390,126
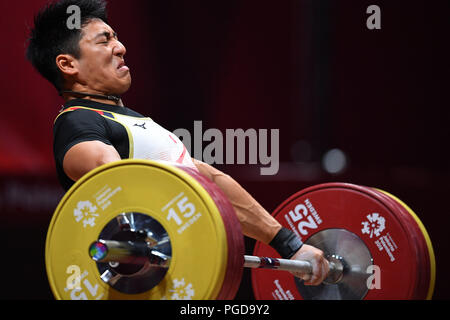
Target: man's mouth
122,66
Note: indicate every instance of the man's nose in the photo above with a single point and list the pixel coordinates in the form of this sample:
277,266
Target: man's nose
119,49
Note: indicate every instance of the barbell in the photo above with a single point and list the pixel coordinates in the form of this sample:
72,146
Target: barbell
138,229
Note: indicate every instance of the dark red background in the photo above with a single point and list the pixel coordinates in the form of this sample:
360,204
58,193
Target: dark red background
309,68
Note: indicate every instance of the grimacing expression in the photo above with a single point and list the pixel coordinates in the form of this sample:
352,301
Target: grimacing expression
101,66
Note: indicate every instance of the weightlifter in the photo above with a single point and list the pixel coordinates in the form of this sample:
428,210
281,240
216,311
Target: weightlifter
87,68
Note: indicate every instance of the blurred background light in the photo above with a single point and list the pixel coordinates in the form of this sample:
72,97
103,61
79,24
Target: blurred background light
334,161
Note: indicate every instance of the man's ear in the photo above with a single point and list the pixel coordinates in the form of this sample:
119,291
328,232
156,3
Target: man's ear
67,64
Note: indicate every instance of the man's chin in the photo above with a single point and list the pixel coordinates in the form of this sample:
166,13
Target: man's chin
123,88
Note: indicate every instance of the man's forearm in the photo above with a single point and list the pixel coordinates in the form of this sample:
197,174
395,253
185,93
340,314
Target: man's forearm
256,222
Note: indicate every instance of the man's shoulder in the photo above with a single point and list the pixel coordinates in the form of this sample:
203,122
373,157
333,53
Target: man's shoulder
76,114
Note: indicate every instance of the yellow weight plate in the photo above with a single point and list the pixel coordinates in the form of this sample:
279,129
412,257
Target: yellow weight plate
167,194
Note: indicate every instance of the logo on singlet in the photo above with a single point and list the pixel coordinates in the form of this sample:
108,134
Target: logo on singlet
141,126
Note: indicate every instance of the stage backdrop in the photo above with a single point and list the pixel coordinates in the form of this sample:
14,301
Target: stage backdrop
311,69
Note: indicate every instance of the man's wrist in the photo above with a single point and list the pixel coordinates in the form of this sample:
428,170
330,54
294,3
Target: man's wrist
286,243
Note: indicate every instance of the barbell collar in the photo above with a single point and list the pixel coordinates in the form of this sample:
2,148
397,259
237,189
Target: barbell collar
127,252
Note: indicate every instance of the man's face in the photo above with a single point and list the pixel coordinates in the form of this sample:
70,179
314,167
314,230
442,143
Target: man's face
101,66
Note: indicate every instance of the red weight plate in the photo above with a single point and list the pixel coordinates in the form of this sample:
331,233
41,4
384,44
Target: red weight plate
389,237
235,240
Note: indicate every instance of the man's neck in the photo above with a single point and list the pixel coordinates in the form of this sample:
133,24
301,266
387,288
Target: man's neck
71,96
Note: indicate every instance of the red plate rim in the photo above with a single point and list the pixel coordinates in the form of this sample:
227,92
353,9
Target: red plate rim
426,259
235,239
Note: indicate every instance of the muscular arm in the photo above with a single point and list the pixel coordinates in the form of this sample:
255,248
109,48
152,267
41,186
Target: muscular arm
86,156
256,222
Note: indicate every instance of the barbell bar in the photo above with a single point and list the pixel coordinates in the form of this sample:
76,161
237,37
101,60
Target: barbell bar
140,252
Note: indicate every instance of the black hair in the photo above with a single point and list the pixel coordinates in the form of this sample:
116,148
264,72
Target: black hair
51,35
